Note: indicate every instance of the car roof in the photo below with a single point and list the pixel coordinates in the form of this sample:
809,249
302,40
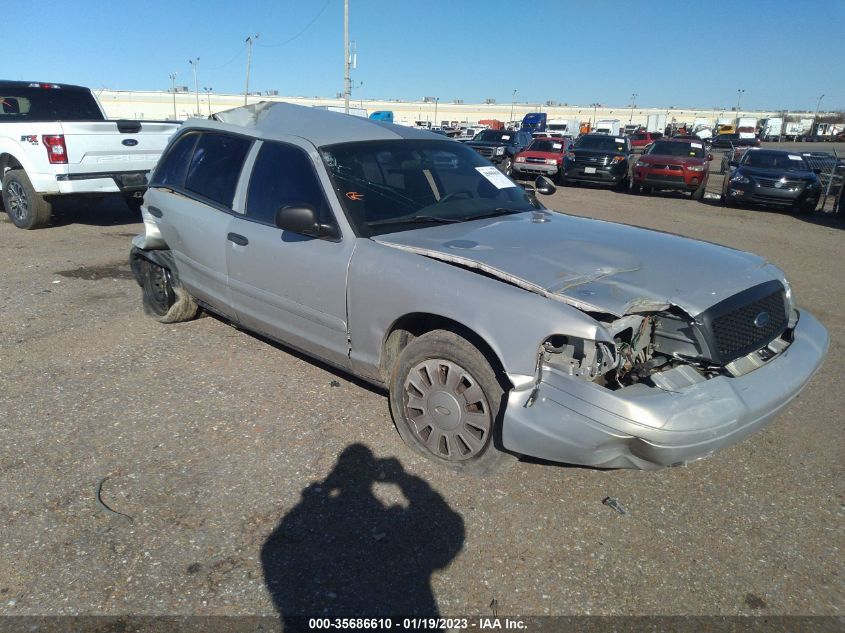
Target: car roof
35,84
319,126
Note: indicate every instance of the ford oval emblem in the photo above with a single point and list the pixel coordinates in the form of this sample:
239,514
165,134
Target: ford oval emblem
130,142
762,319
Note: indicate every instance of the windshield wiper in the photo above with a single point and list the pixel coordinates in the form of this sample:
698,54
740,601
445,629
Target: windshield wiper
492,214
416,219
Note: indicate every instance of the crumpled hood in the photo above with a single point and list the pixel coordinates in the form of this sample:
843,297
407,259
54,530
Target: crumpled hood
595,265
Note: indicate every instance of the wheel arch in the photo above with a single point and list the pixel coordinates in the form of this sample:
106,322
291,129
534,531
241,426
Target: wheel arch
409,326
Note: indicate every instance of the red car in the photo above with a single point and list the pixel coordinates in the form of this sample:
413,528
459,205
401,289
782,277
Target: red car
543,157
673,164
641,139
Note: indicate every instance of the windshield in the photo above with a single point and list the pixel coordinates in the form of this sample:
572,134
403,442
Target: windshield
675,148
546,145
390,186
48,104
774,160
603,143
495,136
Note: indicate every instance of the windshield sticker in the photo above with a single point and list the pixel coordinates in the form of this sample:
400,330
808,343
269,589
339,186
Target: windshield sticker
795,157
619,140
354,195
506,137
696,145
497,178
556,145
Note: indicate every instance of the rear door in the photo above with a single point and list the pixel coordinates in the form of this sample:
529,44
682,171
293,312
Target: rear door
191,196
289,286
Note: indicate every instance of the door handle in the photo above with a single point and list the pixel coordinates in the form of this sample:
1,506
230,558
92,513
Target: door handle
155,211
237,239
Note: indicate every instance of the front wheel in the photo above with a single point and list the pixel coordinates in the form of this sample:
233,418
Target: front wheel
445,401
162,300
26,208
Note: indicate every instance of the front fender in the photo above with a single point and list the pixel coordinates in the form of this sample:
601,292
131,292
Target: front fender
385,284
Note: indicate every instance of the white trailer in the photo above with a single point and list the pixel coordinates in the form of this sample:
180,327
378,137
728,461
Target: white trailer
656,123
611,127
746,126
353,111
564,127
771,128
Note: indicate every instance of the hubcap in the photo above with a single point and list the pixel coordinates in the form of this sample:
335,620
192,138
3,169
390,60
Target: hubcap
18,203
446,409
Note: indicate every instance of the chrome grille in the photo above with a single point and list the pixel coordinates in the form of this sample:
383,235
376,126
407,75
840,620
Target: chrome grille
772,183
487,152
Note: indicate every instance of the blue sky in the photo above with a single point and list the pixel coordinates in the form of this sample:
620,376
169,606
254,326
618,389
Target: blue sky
783,53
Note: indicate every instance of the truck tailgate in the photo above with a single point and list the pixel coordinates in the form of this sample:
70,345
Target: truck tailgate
99,146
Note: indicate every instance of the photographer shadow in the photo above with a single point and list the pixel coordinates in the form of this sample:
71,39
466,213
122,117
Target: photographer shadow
341,552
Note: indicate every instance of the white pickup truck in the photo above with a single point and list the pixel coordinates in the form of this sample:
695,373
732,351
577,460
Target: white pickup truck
55,141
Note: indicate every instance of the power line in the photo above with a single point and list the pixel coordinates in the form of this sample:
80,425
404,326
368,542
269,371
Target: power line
236,56
307,26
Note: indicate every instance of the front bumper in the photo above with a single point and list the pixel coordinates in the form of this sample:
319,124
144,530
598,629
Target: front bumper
751,193
681,181
578,422
611,175
535,169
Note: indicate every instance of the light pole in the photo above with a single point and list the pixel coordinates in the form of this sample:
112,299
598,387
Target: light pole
194,63
436,101
249,42
513,100
739,94
208,97
173,90
633,100
593,122
347,83
816,114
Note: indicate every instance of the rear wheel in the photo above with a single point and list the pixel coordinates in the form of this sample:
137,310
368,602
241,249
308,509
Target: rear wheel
445,401
26,208
134,204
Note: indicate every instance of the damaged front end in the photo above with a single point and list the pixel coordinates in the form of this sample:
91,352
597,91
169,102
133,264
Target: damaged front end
671,387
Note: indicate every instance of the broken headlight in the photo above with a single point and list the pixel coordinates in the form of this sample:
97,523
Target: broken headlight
578,357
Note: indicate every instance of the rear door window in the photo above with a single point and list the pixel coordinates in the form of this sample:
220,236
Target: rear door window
216,167
284,176
173,165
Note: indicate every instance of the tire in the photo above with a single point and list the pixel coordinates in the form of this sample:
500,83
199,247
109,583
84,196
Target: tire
134,204
507,166
698,194
806,208
646,189
26,208
162,300
436,371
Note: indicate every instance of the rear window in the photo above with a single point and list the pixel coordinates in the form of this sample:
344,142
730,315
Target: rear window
48,104
216,167
173,165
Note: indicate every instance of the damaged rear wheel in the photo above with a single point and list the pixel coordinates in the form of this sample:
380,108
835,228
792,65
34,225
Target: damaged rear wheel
163,300
445,400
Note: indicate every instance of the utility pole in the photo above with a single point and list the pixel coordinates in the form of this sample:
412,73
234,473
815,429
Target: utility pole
739,94
346,81
249,42
513,100
173,90
595,106
208,97
815,115
633,102
194,63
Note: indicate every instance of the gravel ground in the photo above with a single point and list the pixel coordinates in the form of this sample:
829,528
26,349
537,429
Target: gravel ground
176,469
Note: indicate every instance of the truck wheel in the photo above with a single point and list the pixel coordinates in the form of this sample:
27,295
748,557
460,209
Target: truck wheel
134,204
162,301
445,401
507,166
26,209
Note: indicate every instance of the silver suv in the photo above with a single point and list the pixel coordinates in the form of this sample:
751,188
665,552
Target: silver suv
498,327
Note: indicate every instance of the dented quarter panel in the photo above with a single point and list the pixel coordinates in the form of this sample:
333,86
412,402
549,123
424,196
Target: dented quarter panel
387,283
595,265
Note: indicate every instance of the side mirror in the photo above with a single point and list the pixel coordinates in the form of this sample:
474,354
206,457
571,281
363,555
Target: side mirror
709,156
544,186
299,219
